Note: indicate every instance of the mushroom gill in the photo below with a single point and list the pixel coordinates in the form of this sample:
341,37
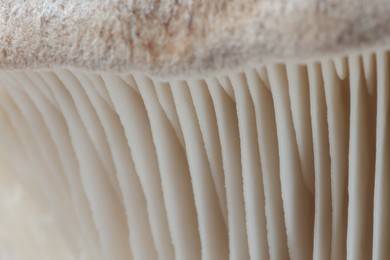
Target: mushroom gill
209,155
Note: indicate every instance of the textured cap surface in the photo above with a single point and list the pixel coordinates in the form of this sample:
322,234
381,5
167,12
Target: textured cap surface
171,38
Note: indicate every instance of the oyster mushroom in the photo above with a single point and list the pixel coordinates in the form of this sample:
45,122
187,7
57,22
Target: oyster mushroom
194,130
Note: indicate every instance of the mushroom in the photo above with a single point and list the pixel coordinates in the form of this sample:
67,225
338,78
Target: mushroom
186,129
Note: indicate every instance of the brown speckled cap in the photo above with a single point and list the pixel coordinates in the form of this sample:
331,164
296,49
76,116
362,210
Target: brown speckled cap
173,38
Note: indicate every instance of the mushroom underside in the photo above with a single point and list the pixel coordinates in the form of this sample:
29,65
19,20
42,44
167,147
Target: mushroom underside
274,162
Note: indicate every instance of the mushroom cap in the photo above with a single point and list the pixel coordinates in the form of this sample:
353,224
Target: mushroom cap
185,38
